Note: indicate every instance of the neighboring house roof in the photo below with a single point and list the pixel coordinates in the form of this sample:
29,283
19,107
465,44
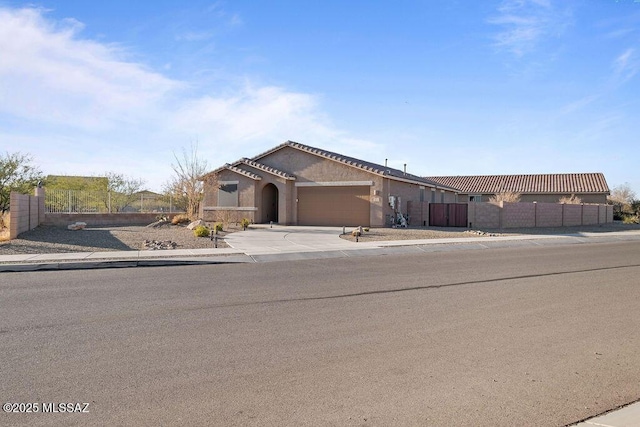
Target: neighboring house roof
575,183
357,163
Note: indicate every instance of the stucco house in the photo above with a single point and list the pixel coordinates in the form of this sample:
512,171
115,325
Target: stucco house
295,184
542,188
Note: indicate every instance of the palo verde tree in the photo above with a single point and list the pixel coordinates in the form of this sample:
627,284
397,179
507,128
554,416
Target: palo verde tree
17,173
123,190
186,186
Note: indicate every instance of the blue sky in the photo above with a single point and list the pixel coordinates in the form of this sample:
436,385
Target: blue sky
450,88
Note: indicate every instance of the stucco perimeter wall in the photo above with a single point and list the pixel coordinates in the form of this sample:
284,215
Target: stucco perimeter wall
517,215
26,212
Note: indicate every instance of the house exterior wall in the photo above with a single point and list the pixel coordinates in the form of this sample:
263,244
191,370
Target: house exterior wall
211,212
309,168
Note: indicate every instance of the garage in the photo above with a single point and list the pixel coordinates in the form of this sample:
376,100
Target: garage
334,206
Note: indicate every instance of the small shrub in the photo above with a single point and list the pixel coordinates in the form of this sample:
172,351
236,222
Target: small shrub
572,200
244,223
217,227
202,231
631,219
366,229
506,196
180,219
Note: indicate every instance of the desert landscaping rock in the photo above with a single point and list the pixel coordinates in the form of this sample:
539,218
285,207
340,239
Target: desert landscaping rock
154,245
194,224
77,226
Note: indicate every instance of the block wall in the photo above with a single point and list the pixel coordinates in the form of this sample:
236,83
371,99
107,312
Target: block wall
589,214
484,215
517,215
548,215
572,215
26,212
529,215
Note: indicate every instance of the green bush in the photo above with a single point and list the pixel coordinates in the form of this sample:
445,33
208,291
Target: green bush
244,223
217,227
631,219
201,231
180,219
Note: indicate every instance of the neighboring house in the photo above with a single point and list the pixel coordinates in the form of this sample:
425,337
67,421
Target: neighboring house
296,184
589,187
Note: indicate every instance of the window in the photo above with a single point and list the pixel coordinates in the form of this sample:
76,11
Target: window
475,198
228,195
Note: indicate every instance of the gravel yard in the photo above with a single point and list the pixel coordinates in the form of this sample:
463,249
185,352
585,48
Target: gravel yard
45,239
415,233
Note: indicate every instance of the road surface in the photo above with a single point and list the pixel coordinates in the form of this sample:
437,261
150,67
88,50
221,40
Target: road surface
512,336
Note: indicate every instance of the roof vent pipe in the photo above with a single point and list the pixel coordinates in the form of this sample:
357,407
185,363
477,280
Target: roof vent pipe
405,168
385,162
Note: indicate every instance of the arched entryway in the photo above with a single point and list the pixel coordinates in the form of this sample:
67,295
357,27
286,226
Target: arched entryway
270,203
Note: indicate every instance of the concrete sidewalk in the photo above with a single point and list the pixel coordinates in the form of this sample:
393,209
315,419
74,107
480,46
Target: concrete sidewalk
282,243
627,416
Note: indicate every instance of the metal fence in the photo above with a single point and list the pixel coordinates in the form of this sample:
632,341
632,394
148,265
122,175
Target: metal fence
77,201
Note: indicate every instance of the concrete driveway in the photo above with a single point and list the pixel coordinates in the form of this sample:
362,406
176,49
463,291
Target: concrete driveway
261,239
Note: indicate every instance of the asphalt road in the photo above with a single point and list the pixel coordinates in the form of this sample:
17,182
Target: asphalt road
513,336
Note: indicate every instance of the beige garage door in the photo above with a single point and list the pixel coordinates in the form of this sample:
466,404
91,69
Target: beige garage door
337,206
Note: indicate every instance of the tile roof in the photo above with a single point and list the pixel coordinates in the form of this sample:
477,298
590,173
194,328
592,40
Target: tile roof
264,168
360,164
575,183
235,169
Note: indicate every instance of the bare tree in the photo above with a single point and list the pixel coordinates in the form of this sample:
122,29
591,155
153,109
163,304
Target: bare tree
622,198
505,196
186,185
17,173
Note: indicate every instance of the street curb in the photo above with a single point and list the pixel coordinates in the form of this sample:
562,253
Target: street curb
90,265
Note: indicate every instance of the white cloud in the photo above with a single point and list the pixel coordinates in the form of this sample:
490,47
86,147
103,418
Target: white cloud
84,105
50,75
526,23
626,65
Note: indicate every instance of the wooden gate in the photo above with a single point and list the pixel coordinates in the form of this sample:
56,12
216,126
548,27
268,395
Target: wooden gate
447,214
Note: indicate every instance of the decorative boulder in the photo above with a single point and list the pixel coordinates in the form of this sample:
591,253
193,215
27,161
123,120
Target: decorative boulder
194,224
77,226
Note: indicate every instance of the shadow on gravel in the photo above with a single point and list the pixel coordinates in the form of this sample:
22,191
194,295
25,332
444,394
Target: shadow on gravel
58,240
